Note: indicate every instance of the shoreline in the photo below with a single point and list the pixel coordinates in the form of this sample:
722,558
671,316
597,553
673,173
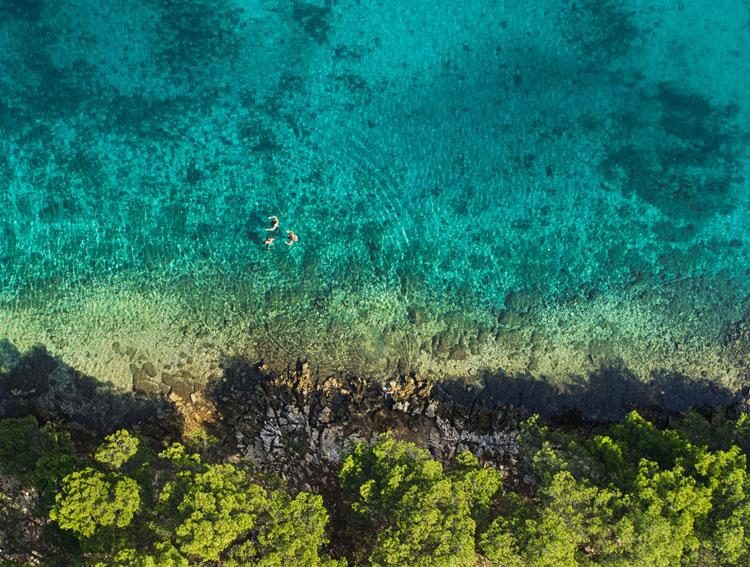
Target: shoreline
140,336
298,423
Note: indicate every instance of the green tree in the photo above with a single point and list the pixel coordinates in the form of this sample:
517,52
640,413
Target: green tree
639,439
631,494
636,495
218,507
480,483
164,555
90,500
117,449
570,523
416,513
39,455
291,533
170,509
216,510
21,443
725,529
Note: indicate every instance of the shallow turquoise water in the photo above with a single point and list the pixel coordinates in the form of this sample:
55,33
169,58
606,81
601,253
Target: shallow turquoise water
471,155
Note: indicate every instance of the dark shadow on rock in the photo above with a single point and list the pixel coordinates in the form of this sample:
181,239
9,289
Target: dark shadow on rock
36,383
297,423
300,423
250,393
675,394
606,395
274,416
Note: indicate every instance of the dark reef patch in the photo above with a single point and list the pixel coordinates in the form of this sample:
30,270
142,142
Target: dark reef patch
36,88
193,35
28,10
313,19
685,162
602,30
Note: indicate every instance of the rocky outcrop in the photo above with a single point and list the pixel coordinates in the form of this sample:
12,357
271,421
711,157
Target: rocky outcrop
299,423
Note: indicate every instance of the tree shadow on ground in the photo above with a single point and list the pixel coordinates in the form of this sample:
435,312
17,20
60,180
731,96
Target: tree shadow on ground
606,395
288,414
251,394
39,384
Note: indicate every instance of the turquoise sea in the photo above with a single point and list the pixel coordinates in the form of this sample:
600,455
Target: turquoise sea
542,187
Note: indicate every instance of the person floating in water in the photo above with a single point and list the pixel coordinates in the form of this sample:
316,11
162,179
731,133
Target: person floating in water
268,242
274,223
291,238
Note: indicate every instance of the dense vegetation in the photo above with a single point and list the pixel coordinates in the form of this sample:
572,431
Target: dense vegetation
631,494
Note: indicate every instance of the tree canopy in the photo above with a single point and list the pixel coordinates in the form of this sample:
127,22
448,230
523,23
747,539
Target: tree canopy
628,494
417,514
637,495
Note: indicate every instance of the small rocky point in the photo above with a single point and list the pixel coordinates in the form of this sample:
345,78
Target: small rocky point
300,424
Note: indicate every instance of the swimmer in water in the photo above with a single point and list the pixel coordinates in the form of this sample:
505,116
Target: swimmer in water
274,223
291,238
268,242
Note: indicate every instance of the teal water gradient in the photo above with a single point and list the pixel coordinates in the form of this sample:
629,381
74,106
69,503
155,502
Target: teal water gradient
475,185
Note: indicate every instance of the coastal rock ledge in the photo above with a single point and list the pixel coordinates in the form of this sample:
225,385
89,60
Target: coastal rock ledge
299,424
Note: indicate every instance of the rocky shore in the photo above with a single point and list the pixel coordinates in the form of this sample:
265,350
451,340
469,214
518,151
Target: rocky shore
298,423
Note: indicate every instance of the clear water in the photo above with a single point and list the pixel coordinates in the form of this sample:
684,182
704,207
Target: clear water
542,187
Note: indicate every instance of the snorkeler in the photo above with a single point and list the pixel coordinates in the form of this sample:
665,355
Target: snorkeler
291,238
268,242
274,223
